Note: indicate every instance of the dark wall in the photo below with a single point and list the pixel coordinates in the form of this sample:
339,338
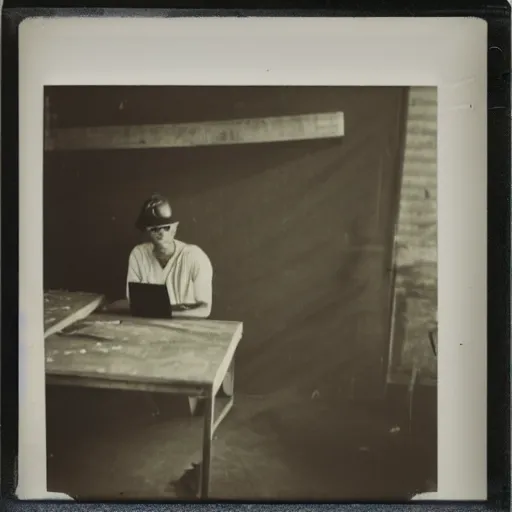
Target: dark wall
298,233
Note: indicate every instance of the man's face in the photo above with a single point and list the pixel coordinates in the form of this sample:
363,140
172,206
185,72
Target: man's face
163,236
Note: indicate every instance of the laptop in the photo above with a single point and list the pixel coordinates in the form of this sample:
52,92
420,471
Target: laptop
149,300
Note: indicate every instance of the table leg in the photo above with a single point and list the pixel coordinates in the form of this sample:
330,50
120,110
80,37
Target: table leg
207,445
196,404
228,383
193,403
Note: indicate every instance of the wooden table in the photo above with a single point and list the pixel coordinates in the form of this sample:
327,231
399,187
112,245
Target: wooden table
190,357
63,308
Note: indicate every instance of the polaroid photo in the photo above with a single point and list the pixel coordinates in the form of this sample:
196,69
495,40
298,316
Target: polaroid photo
299,202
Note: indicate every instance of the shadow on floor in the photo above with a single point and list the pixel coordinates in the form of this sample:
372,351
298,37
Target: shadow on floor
105,445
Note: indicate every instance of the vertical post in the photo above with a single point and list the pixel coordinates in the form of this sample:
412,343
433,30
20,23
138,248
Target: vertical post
393,300
378,205
47,121
228,384
193,403
207,444
411,395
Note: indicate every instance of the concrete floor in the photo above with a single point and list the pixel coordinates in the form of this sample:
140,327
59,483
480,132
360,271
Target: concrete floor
105,445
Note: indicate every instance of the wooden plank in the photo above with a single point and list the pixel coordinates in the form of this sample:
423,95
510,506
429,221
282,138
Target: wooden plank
418,206
415,193
424,92
421,166
403,377
78,381
62,308
413,234
420,181
413,155
142,351
413,255
415,258
417,354
425,111
222,407
422,128
416,288
418,137
421,318
420,100
238,131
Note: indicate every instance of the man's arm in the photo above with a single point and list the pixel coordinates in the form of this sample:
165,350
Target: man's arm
133,275
202,277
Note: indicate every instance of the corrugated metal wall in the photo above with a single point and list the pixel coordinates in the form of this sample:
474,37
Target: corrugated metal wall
416,239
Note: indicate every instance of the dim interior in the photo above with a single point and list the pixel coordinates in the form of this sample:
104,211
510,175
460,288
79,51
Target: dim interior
302,236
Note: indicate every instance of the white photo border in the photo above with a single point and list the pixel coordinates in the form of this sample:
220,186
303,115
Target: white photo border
450,53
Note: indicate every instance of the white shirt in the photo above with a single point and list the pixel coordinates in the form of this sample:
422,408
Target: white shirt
187,275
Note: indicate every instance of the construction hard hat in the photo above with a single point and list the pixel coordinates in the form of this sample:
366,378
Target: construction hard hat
156,211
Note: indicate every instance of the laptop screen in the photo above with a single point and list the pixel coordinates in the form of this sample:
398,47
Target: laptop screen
149,300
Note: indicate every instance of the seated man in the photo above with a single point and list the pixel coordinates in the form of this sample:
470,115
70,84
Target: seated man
185,269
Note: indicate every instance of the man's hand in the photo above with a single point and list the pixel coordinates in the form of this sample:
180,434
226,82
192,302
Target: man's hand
196,310
186,307
119,306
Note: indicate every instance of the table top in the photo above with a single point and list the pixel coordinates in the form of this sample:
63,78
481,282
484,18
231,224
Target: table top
119,347
63,308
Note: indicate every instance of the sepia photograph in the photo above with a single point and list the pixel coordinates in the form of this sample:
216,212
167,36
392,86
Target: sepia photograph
240,292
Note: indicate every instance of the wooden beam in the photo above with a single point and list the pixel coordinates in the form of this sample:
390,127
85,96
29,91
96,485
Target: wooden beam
62,309
239,131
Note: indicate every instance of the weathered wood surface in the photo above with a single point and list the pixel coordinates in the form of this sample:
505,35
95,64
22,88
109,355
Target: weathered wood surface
184,352
414,339
417,223
63,308
416,238
240,131
417,351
